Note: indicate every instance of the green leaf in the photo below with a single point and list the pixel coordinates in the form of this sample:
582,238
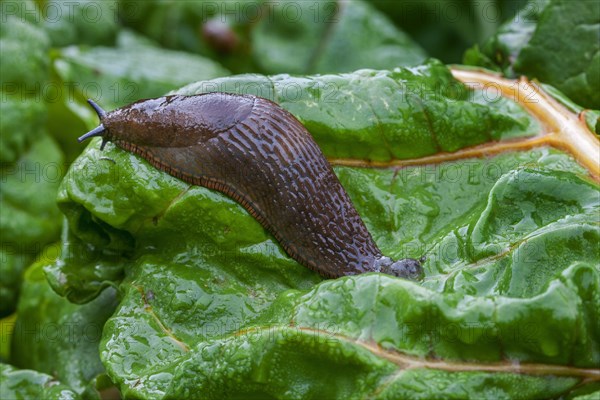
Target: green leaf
554,41
572,27
326,343
324,37
500,51
278,37
118,76
53,336
31,162
29,384
174,25
23,72
23,48
445,28
211,306
203,295
21,121
29,218
6,330
590,395
66,22
83,22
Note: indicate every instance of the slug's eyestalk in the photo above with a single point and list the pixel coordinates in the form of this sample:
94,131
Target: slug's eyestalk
99,130
101,113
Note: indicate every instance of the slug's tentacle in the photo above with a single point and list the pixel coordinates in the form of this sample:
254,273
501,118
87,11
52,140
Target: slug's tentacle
97,131
261,156
101,113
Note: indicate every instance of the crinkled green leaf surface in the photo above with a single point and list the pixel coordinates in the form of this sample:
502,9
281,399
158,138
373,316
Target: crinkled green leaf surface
554,41
31,162
299,37
23,71
20,124
29,218
28,384
56,337
23,48
211,307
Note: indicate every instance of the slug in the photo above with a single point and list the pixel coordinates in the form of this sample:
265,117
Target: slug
260,155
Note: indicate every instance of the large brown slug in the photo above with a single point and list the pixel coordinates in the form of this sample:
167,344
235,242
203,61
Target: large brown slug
260,155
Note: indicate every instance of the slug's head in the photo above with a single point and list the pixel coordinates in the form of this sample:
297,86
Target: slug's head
171,121
100,130
407,268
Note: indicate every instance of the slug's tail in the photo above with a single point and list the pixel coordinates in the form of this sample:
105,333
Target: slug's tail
99,130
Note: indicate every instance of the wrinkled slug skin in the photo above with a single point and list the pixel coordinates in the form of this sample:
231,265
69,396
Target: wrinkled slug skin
260,155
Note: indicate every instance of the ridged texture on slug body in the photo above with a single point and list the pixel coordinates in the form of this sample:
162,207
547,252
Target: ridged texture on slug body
260,155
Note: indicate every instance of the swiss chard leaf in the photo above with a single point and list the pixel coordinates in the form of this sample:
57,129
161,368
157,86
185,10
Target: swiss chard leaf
30,384
31,162
554,41
57,337
29,218
211,306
